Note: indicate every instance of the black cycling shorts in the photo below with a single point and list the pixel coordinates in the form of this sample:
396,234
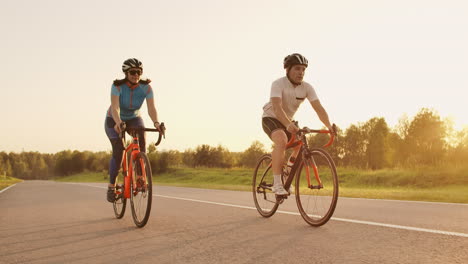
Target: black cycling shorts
271,124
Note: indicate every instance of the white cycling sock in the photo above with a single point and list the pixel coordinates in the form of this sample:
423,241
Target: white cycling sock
277,180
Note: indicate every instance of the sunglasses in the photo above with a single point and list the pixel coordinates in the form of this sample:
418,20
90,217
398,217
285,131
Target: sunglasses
134,72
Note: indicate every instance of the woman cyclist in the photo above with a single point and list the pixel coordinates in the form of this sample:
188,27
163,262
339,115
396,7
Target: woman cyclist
287,94
127,97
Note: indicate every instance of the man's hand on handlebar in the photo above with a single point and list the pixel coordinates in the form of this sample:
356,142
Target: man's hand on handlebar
333,129
292,128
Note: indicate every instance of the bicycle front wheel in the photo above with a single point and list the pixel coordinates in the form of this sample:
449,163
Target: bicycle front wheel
120,202
264,198
317,188
142,191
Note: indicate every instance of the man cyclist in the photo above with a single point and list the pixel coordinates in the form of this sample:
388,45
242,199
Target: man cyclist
287,94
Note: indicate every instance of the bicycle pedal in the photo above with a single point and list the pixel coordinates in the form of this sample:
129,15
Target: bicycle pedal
281,197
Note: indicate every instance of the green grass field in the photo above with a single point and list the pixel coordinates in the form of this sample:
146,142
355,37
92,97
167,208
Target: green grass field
430,184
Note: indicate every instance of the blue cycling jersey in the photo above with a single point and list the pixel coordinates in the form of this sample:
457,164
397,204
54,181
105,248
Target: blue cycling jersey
131,98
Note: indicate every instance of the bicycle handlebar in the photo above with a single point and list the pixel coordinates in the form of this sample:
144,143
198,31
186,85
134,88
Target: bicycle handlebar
161,130
307,130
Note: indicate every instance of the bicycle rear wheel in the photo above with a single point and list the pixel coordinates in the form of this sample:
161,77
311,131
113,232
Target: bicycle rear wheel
317,203
264,198
120,202
142,193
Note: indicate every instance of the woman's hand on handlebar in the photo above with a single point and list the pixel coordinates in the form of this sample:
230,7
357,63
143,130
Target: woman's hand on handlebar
157,125
118,126
160,127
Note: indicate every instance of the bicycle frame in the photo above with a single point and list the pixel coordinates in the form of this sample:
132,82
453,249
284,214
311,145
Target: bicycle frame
137,183
134,147
301,152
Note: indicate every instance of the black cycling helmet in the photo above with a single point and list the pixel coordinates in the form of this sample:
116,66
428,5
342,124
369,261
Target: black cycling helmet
131,63
295,59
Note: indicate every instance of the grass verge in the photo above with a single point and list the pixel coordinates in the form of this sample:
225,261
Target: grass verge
447,194
6,181
353,183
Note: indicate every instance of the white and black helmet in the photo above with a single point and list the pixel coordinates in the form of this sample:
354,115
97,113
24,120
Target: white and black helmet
131,63
295,59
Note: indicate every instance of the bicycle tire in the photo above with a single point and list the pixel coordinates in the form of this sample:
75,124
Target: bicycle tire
120,202
317,205
141,195
262,181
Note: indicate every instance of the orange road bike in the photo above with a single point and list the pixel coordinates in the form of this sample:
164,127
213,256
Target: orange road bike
136,182
316,185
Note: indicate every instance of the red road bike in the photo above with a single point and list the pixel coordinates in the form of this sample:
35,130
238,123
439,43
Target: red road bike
316,185
136,182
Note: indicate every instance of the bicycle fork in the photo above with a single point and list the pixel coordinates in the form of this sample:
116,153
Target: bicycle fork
310,163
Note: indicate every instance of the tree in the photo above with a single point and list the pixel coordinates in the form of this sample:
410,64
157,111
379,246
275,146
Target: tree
63,163
38,166
8,168
221,157
98,161
208,156
2,167
336,150
20,168
458,155
78,161
188,158
159,161
249,157
202,156
151,148
377,151
425,138
355,146
396,154
403,126
175,158
397,139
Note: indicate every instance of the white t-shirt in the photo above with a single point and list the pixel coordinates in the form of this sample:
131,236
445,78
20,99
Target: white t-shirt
291,97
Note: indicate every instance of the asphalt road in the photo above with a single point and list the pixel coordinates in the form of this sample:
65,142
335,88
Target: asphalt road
50,222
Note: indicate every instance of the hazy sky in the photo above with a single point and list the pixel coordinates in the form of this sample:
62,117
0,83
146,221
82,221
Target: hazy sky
212,63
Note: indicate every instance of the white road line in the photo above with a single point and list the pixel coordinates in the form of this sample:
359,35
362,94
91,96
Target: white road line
405,201
207,202
410,228
84,184
434,231
333,218
7,188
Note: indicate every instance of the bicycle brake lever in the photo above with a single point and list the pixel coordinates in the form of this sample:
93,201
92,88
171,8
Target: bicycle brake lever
162,129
